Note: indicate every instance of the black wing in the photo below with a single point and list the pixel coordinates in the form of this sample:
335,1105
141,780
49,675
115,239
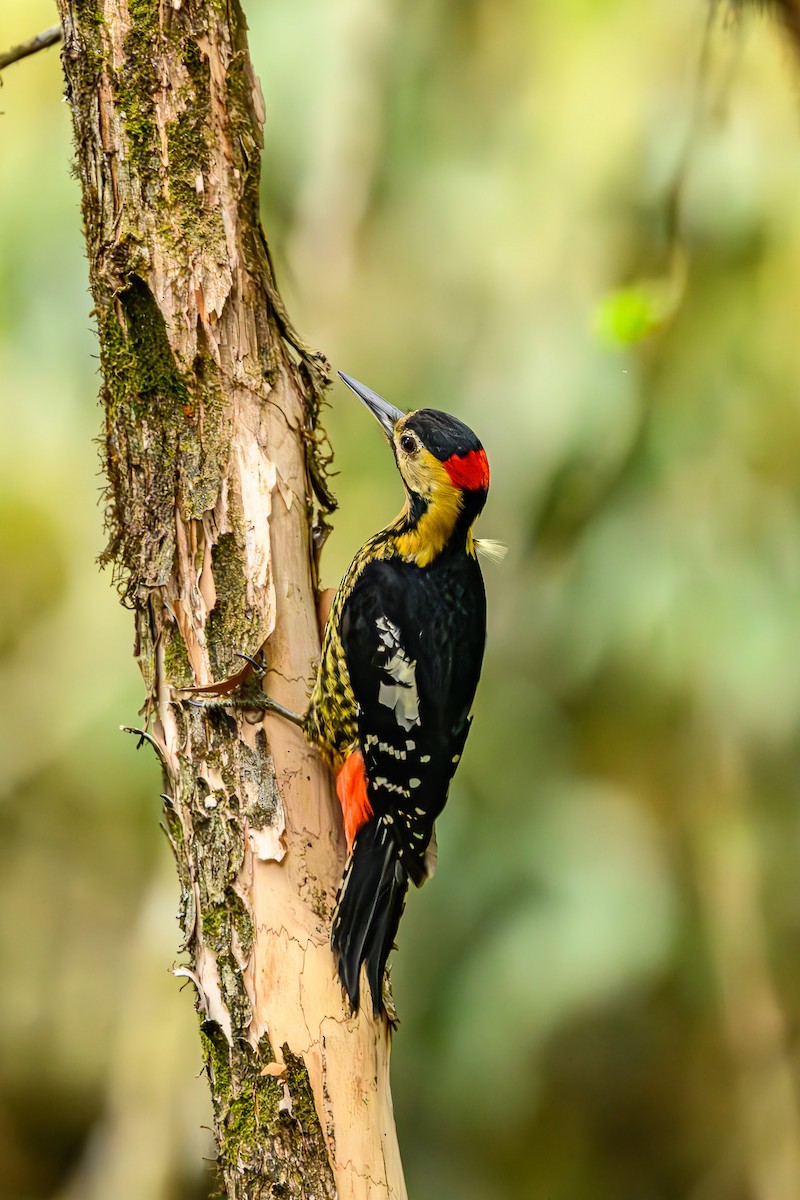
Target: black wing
413,639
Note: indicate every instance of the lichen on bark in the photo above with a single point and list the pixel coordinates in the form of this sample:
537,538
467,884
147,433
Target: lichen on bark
263,1108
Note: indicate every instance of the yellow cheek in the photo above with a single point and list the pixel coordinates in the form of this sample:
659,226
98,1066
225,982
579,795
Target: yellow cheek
425,475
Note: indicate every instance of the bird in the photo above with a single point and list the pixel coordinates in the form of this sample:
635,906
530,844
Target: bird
390,708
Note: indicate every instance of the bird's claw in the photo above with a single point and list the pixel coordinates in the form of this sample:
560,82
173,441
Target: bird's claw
258,664
220,693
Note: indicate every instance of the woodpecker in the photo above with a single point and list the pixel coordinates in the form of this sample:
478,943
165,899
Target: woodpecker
400,662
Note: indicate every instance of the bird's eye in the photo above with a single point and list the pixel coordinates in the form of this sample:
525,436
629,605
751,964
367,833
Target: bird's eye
408,443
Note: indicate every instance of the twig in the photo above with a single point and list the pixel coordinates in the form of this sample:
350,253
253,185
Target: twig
49,37
144,736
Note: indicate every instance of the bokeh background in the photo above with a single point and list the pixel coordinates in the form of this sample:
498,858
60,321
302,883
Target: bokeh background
576,225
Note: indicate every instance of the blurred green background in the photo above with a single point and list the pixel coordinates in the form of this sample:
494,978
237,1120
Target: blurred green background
576,225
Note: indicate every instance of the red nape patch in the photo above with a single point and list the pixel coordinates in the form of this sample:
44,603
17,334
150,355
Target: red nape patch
469,471
351,788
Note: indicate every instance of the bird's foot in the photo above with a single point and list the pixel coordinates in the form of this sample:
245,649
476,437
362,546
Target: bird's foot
218,695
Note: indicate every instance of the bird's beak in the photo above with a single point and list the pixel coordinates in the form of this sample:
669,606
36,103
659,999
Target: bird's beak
385,412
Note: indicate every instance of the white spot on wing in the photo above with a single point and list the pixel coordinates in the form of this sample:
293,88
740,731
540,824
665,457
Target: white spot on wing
392,751
385,785
401,694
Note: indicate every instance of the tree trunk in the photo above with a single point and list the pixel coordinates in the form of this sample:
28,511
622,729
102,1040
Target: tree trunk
212,455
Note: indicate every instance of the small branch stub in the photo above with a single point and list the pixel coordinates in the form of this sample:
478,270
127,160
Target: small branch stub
49,37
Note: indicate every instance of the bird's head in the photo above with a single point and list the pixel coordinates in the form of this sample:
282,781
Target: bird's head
441,461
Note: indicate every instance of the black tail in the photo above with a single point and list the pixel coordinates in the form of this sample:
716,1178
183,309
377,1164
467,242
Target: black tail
368,911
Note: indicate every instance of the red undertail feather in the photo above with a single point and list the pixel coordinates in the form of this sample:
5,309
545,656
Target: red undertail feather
351,788
469,471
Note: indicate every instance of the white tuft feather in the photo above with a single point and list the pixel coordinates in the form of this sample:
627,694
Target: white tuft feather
489,548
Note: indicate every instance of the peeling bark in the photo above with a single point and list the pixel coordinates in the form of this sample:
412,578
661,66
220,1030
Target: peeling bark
213,458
